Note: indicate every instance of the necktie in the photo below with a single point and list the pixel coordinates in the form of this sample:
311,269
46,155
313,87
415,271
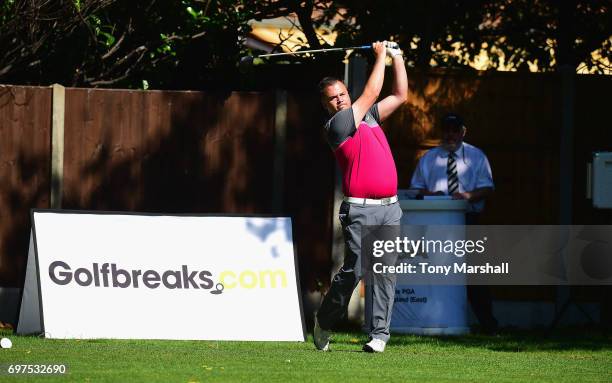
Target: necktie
451,174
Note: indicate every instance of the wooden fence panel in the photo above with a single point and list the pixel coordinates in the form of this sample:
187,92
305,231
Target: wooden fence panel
513,118
309,188
169,152
25,147
593,132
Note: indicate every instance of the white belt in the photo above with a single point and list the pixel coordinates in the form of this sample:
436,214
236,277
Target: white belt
368,201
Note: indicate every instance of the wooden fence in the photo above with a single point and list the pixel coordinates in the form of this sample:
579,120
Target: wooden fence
263,153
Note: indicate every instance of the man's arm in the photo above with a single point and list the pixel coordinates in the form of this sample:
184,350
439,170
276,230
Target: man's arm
373,85
399,93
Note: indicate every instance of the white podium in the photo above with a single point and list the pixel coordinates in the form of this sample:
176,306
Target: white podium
431,309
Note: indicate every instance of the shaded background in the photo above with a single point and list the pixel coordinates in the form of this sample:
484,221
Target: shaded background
214,152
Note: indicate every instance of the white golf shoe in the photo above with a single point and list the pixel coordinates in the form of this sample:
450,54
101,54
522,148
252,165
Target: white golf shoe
321,337
375,345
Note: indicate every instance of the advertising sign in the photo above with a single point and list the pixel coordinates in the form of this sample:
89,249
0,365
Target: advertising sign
130,276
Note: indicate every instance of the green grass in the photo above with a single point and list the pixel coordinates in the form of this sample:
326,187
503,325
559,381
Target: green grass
514,357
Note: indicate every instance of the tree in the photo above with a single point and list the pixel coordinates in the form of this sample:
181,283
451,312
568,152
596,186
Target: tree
118,42
31,33
194,44
171,44
513,33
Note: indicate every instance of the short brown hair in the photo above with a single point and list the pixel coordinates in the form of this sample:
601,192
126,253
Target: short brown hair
327,81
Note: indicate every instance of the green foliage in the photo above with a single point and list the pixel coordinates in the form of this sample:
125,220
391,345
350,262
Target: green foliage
196,44
513,31
120,43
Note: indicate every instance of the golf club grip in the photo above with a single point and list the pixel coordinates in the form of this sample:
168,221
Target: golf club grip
391,44
388,44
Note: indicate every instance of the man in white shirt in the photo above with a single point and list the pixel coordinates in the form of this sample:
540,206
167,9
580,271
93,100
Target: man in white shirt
462,171
474,177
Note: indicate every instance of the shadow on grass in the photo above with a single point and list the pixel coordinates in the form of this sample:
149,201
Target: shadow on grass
505,341
518,341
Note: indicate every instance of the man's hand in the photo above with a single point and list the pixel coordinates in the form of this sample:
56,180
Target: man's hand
393,49
465,195
379,48
475,195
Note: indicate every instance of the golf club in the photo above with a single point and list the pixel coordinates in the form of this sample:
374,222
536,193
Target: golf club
247,61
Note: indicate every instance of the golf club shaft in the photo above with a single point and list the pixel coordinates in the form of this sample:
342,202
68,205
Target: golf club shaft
314,51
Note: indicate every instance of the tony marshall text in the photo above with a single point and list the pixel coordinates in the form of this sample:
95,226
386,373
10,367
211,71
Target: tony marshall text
455,268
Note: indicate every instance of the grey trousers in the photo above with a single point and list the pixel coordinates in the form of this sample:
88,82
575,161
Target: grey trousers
353,217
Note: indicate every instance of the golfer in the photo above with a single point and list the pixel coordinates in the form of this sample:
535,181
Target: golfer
369,183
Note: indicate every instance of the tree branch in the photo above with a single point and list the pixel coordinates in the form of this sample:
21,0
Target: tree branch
304,14
115,47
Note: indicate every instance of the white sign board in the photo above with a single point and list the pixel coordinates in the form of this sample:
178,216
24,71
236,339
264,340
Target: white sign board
128,276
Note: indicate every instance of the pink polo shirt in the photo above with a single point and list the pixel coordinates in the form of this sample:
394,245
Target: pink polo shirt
363,154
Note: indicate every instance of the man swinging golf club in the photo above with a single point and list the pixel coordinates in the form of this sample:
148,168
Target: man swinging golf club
369,183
